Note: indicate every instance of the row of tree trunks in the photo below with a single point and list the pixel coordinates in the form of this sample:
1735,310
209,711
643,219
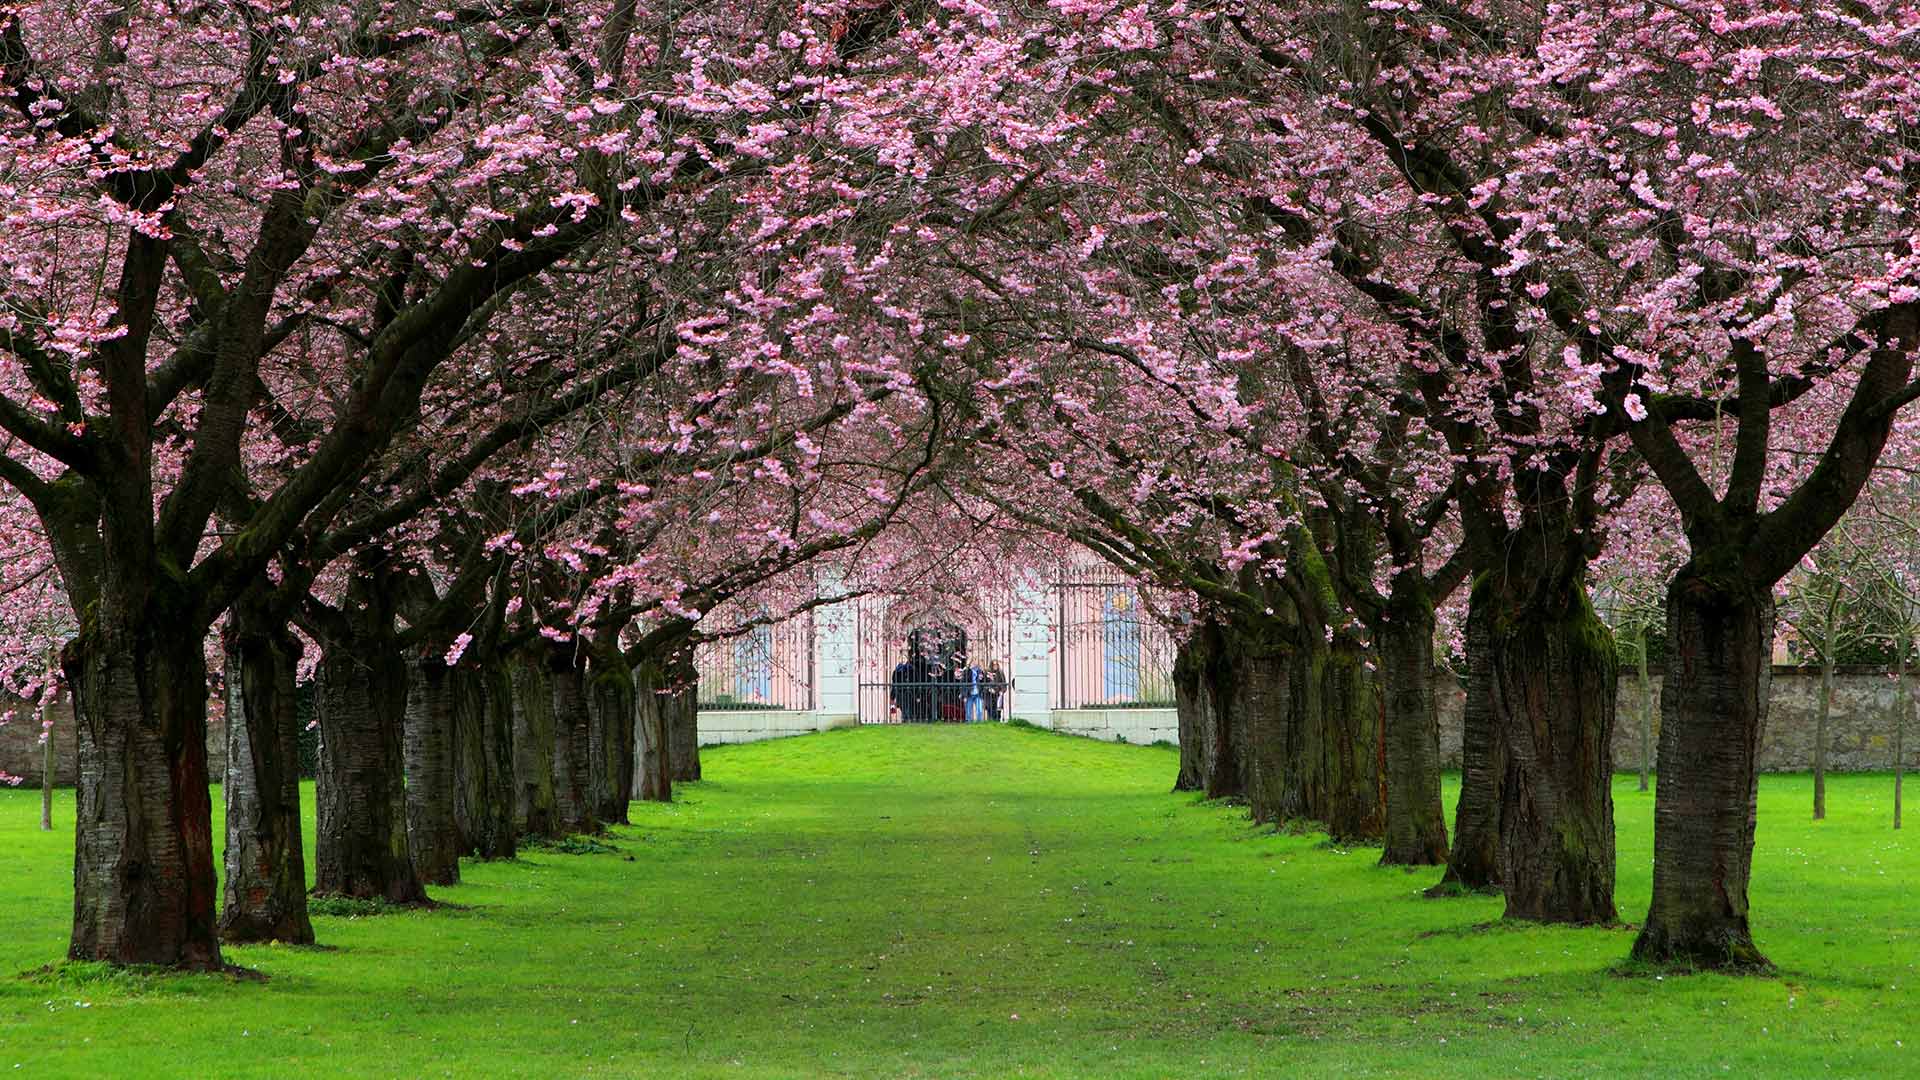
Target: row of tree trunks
265,896
360,698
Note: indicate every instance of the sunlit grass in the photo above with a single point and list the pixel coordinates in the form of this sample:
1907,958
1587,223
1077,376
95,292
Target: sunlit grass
979,901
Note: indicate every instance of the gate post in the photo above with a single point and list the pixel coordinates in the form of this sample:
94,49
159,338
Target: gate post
1035,642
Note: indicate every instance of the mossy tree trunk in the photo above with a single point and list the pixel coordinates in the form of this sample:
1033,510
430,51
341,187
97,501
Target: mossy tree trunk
469,766
484,718
1555,679
654,706
1191,708
682,719
1713,706
532,697
1265,706
1340,768
265,887
1416,822
610,706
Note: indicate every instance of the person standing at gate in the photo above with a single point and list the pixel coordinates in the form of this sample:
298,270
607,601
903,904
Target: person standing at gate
976,677
993,686
920,690
900,690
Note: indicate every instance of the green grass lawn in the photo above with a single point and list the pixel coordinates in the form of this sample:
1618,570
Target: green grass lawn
985,901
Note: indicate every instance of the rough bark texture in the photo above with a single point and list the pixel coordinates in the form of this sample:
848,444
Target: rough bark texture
1474,863
1555,680
533,810
611,710
1263,709
1338,737
360,697
1713,708
1416,823
265,887
1224,767
143,875
467,692
433,834
654,709
683,724
483,719
1191,705
1646,713
572,743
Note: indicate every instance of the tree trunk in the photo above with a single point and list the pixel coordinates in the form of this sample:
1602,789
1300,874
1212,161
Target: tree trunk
433,835
1338,766
682,718
1416,824
533,809
1224,767
1646,713
572,743
611,710
265,895
143,875
1474,863
1820,724
484,718
46,768
360,696
469,762
1555,678
1264,709
1902,705
654,709
1713,709
1190,709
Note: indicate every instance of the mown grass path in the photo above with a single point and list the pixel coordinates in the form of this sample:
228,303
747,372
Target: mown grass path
991,902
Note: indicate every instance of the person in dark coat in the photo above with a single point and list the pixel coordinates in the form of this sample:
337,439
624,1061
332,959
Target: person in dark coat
900,689
995,685
921,689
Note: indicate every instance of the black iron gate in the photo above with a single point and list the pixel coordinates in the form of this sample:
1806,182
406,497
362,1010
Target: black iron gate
917,667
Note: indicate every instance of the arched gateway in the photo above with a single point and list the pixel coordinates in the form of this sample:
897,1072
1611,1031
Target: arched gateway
1082,654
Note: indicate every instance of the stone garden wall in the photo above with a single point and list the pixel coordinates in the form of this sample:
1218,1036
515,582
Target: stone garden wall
20,743
1859,726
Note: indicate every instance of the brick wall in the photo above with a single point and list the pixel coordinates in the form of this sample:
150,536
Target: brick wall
1859,726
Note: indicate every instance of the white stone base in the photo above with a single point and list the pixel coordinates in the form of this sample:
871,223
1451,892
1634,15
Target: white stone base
753,725
1138,726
